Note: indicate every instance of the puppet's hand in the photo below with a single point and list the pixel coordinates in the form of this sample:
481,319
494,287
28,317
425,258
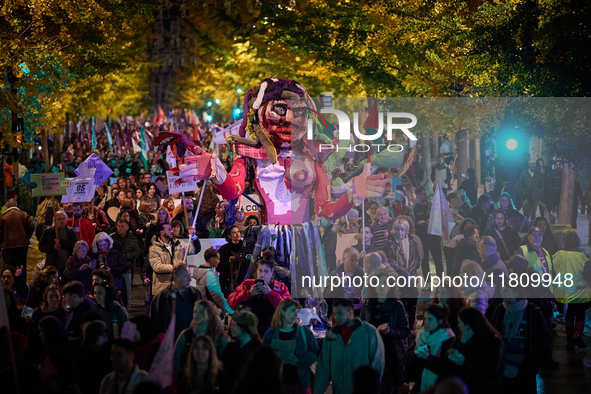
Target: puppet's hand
202,166
369,186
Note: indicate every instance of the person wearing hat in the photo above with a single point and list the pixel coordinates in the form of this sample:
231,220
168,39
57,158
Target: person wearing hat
522,327
246,339
576,294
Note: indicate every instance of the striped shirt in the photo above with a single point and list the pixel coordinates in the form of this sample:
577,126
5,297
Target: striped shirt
381,232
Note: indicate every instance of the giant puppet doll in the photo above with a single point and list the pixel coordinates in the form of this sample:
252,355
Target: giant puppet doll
288,173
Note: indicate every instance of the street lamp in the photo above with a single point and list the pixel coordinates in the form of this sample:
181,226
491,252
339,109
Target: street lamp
238,90
209,103
217,101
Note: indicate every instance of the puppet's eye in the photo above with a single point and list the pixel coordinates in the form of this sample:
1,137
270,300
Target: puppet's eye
280,109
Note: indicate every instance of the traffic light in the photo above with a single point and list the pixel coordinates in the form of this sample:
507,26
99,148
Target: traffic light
237,112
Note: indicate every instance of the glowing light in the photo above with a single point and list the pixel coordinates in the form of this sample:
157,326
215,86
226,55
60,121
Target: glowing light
238,90
217,101
209,103
209,118
511,144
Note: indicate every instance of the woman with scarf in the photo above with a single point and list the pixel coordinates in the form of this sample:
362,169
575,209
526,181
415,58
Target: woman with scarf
433,341
524,332
403,251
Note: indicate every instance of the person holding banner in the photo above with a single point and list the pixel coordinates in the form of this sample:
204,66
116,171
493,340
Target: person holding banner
57,242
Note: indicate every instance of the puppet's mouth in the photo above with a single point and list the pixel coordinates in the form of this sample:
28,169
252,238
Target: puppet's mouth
166,141
284,133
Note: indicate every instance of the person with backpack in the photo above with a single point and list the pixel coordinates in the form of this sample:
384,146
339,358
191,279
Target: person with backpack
208,282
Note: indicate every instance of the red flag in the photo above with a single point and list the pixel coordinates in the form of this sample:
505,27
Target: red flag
160,117
373,120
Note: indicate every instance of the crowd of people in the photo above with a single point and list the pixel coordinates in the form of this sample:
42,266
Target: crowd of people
239,329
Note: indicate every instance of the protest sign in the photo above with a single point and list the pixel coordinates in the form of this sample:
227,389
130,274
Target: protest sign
49,184
81,190
102,171
183,187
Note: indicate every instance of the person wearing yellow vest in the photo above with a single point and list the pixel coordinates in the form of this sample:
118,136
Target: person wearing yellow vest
540,262
574,290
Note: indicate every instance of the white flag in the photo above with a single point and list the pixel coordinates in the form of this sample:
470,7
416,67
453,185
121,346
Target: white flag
162,367
441,220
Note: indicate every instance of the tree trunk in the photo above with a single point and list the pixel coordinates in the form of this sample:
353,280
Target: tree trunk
567,195
461,164
426,161
26,157
45,148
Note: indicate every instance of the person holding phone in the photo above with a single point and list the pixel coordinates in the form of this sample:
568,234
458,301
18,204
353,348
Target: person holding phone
433,341
262,295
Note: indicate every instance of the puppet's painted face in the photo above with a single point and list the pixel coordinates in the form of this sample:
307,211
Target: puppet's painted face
283,121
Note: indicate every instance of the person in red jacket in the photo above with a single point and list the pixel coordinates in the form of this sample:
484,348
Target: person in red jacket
83,227
261,295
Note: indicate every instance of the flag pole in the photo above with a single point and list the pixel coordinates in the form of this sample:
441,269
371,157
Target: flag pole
185,209
363,225
195,216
